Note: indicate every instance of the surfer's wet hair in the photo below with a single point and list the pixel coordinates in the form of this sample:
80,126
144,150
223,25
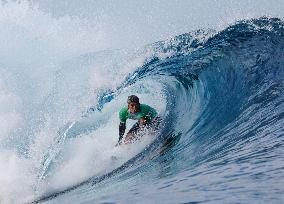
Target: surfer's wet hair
133,99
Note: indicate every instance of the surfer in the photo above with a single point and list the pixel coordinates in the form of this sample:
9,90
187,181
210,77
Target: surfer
145,115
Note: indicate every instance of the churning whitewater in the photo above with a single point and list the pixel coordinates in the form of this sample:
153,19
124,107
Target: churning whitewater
220,95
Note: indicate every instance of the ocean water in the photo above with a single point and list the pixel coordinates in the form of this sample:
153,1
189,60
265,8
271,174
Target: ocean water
220,95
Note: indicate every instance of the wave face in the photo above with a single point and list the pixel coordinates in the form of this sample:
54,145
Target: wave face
221,97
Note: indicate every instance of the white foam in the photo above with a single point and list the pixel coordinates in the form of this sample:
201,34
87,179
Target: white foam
38,97
10,118
16,178
91,154
35,103
30,36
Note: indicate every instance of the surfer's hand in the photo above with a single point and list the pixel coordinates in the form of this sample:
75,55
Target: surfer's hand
142,121
129,138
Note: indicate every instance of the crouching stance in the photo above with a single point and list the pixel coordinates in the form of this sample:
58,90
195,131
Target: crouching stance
145,115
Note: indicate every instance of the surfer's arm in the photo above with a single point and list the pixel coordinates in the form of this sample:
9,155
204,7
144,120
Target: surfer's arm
122,127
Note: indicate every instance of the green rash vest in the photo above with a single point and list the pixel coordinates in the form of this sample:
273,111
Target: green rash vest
145,111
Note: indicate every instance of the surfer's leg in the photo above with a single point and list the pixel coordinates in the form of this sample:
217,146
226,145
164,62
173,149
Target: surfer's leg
131,133
155,124
134,128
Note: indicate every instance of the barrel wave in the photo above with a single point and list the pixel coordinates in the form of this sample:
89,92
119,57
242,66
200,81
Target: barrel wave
221,97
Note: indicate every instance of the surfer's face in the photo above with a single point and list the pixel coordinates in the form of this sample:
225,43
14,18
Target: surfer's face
133,107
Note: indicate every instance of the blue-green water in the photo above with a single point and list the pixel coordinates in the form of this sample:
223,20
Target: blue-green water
220,95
